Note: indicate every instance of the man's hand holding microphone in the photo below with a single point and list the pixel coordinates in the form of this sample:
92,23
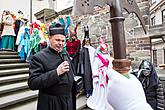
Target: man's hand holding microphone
62,68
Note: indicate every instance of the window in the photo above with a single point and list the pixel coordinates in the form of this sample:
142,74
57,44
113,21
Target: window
163,16
155,57
153,21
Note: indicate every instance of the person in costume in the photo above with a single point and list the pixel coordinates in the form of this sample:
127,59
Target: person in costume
86,59
0,40
34,43
18,21
24,42
8,33
125,93
35,38
151,84
51,73
44,39
1,28
102,64
73,46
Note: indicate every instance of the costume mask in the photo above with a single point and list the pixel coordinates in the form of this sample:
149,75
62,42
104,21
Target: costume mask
147,68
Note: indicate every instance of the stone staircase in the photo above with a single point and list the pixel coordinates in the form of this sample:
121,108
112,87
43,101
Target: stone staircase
13,81
14,91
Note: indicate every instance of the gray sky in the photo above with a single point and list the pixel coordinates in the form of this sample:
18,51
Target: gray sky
24,5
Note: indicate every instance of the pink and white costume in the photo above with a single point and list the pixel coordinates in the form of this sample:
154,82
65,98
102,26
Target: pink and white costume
98,100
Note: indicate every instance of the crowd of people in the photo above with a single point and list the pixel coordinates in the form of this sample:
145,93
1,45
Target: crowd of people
18,34
105,88
56,55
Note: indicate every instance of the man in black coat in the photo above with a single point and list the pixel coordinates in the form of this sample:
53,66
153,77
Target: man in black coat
51,73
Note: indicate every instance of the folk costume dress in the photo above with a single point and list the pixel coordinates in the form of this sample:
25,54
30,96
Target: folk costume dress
98,100
55,92
34,43
8,33
24,43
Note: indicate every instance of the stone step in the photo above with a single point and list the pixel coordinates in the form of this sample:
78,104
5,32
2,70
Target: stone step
16,97
14,71
14,78
13,87
7,61
26,105
32,105
13,65
81,103
8,53
9,56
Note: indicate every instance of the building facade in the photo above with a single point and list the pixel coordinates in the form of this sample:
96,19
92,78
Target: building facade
157,31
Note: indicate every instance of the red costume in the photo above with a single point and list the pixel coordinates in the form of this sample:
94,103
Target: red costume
72,47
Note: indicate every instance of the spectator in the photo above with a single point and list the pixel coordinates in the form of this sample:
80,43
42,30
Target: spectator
151,84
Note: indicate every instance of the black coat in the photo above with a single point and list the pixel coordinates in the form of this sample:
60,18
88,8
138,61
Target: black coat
85,69
152,87
55,92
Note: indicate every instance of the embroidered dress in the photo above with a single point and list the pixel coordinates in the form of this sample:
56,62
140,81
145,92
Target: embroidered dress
98,99
23,47
8,33
34,43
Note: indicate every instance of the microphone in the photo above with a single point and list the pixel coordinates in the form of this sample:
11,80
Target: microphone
61,56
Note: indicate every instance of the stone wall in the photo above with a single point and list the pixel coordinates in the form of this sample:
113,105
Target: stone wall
138,44
138,49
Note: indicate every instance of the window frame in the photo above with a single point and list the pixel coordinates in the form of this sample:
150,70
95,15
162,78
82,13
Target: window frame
163,16
153,21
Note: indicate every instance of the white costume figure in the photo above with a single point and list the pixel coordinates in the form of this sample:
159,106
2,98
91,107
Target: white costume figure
102,63
125,93
8,33
8,25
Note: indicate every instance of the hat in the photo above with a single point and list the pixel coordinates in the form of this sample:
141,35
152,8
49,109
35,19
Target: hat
56,29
